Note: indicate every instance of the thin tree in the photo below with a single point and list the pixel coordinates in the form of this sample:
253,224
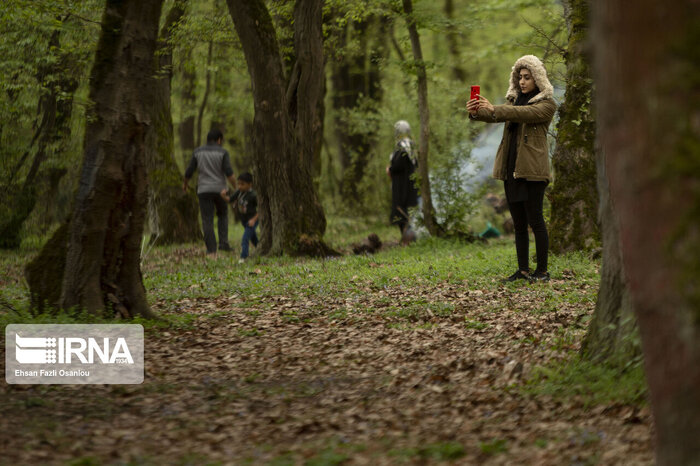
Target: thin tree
286,124
452,37
188,101
93,262
648,99
207,89
424,111
574,199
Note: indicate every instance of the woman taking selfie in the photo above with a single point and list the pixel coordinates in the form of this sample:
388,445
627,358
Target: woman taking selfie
522,160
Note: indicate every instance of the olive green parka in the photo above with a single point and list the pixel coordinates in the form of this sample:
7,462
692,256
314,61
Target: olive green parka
532,162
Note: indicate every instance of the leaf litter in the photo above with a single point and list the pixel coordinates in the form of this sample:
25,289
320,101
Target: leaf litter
413,373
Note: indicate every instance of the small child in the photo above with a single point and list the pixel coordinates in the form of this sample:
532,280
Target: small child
245,203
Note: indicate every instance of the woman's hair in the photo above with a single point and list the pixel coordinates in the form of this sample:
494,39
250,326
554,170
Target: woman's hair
401,128
524,68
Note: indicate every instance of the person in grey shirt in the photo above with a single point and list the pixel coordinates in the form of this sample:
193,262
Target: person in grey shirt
214,167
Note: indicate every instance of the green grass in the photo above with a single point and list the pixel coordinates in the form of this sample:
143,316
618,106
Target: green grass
447,451
589,383
475,324
494,447
430,261
173,273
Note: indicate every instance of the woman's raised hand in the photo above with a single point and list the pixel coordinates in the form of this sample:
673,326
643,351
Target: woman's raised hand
473,106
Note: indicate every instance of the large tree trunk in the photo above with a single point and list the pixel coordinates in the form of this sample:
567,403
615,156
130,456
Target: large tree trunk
285,125
611,334
51,135
307,83
649,124
102,242
423,109
574,199
357,75
173,215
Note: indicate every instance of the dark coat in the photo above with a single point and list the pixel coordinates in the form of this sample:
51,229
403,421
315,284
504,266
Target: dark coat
403,190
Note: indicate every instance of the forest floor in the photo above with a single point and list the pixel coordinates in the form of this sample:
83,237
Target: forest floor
415,355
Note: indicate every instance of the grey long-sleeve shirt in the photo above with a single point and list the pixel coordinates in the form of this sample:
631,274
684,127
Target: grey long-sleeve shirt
214,167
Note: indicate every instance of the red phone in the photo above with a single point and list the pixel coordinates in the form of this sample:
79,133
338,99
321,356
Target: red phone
475,91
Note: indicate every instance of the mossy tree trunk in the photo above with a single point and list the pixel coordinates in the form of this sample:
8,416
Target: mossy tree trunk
612,336
173,214
101,245
285,125
647,83
423,109
573,196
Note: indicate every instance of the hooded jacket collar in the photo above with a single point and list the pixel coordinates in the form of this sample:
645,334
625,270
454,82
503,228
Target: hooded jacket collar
538,72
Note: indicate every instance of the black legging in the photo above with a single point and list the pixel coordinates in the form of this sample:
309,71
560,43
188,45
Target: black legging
530,212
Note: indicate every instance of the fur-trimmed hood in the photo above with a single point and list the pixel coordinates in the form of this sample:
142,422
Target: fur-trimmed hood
538,72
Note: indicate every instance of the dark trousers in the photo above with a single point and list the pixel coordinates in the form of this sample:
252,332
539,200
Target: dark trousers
208,204
526,213
249,236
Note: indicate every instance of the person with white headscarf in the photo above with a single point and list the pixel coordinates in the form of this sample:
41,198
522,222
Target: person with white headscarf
403,164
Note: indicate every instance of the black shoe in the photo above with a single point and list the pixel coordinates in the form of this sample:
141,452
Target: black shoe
519,275
225,248
540,276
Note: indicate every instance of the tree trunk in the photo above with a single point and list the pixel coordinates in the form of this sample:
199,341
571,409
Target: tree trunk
103,240
205,97
291,216
173,215
452,37
423,109
307,83
188,100
611,335
648,120
573,197
51,136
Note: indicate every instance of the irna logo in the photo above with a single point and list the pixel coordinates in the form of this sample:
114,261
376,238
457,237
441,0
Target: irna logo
69,350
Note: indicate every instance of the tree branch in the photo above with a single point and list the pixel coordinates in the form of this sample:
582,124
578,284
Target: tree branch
541,32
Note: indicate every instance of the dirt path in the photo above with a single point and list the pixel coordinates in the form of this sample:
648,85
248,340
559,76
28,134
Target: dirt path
322,382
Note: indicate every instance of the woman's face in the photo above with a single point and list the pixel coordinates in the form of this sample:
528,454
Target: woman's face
525,80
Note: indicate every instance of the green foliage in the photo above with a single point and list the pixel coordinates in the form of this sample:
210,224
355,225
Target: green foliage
488,38
455,193
44,43
485,35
